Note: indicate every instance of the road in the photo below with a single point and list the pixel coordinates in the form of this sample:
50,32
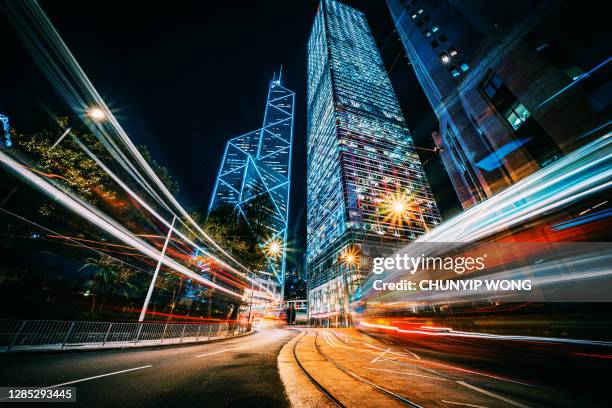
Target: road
240,372
350,367
357,368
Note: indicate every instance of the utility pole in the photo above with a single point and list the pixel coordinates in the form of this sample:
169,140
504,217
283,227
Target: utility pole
143,312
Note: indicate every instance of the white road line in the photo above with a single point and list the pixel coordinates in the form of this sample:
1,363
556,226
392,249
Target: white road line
220,351
410,352
373,346
98,376
405,373
465,404
491,394
382,354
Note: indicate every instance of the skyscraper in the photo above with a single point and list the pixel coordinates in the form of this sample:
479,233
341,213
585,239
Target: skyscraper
512,83
367,191
6,130
256,170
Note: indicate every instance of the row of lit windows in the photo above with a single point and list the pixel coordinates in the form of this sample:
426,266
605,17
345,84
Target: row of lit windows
447,57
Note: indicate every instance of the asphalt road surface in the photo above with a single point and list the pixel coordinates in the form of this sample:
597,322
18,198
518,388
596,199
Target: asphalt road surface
357,369
240,372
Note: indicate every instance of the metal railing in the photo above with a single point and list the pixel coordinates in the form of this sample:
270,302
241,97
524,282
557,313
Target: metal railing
60,334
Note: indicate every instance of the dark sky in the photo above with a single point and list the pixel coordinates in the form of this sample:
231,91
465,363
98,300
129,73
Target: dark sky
183,77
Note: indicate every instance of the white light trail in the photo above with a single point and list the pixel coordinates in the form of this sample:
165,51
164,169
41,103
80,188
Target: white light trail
96,217
583,172
156,215
71,82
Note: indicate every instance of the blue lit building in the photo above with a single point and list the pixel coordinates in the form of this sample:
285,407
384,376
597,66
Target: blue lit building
6,130
515,85
256,170
367,191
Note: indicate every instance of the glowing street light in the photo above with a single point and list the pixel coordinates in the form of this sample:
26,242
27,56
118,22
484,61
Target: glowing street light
350,257
274,248
445,59
96,114
400,207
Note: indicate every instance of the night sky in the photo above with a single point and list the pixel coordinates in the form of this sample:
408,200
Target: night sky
184,77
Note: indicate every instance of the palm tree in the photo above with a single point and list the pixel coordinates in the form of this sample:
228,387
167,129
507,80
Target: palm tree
109,276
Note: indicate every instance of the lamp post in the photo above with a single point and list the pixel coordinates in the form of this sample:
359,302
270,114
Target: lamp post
350,258
145,306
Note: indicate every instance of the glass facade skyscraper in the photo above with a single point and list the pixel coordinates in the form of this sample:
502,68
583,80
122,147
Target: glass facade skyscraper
256,170
367,191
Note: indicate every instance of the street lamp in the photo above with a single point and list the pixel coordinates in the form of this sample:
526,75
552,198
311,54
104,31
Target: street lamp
399,207
350,257
96,113
274,248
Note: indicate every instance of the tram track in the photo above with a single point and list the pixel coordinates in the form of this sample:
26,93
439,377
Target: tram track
334,399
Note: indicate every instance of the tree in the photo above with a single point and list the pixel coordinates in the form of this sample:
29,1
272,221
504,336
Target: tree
68,162
109,276
161,171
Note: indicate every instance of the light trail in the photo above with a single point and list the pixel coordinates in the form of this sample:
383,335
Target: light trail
104,222
71,82
76,243
149,209
453,333
581,173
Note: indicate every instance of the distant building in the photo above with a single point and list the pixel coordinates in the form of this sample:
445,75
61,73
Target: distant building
256,169
6,130
367,191
515,85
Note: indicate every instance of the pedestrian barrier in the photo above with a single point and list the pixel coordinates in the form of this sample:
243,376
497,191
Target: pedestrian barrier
18,335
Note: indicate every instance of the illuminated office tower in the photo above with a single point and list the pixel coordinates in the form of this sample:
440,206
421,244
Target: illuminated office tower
6,130
256,170
367,191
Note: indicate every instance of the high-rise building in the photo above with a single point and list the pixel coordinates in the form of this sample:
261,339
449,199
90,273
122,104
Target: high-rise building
6,130
515,85
255,173
367,191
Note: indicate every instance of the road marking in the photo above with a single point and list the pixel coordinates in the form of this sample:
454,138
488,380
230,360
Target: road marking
465,404
410,352
478,373
98,376
491,394
220,351
405,373
378,358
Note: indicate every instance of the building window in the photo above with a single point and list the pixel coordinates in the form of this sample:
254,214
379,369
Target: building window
414,16
492,85
427,34
455,73
464,67
517,115
442,39
537,141
453,52
434,29
420,11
